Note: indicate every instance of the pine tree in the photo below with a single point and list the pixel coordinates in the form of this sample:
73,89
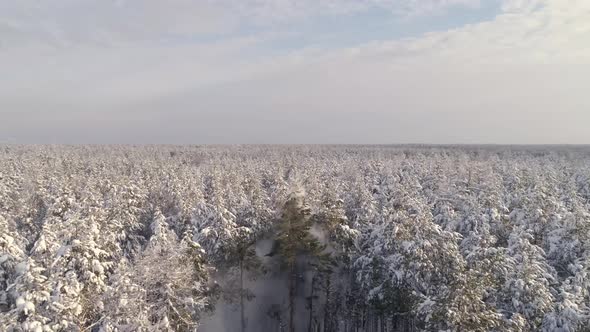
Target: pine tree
294,240
528,289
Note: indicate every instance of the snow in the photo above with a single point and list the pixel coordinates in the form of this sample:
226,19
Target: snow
21,268
442,237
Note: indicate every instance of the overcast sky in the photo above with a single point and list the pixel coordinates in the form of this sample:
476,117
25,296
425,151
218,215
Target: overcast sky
295,71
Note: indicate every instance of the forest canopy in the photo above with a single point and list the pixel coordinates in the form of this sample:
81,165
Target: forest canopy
294,238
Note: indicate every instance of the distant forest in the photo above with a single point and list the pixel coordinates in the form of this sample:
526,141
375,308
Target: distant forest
294,238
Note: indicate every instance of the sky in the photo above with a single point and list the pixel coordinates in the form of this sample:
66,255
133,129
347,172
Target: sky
295,71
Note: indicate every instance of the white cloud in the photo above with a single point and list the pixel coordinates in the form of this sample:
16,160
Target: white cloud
556,33
69,22
521,6
518,78
265,11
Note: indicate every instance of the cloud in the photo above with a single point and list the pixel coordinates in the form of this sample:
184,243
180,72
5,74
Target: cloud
97,22
556,32
518,78
265,11
70,22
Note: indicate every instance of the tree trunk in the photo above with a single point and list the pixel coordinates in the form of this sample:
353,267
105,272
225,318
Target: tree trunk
242,313
326,306
309,327
292,298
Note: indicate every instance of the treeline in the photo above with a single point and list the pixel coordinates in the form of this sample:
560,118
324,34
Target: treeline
294,238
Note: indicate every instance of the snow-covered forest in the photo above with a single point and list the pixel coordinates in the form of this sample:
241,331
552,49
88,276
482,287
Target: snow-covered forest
294,238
